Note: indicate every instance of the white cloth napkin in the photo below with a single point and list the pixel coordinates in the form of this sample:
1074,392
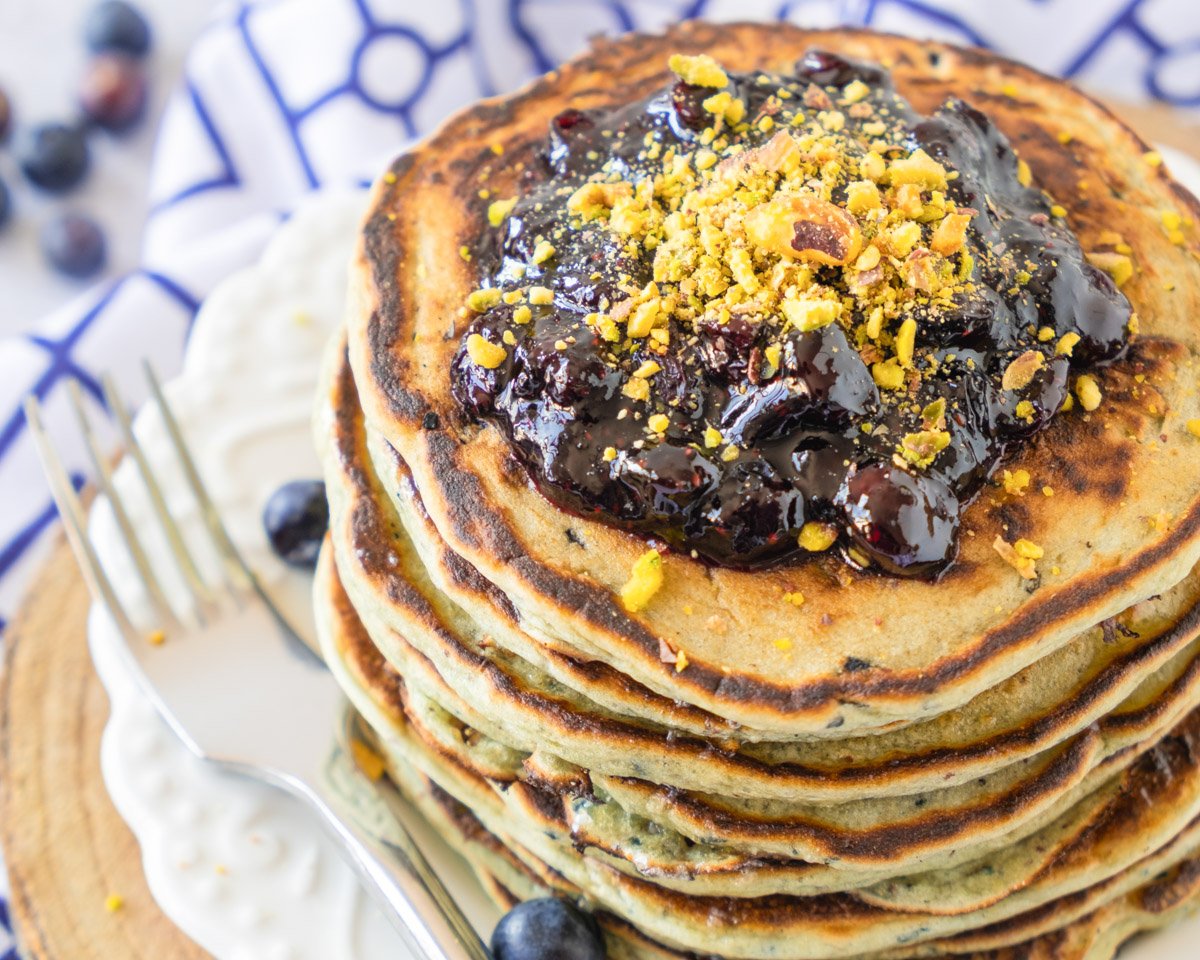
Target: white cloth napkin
283,96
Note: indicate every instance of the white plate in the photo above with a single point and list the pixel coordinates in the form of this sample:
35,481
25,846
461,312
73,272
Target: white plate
242,869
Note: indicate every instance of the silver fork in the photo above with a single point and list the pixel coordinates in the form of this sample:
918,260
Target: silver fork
237,642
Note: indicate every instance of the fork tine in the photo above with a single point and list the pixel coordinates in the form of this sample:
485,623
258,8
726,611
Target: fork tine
229,552
183,557
104,481
237,571
72,513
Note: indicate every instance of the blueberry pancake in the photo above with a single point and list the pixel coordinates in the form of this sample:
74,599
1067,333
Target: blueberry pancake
763,504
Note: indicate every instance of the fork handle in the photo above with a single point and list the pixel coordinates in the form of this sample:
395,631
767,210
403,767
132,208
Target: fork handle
399,877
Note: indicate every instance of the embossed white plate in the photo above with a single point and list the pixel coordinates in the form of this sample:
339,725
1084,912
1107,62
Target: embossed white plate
241,868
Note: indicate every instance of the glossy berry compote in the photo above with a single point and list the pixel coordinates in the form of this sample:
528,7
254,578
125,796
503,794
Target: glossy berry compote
764,316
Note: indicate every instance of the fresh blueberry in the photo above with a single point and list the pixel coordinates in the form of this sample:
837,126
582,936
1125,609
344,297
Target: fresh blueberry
54,156
5,203
5,116
75,245
547,929
113,92
296,518
116,25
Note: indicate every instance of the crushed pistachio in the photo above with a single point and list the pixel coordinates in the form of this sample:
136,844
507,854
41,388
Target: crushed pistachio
1116,265
1015,482
659,422
1193,427
1019,373
541,296
922,447
712,437
794,597
367,760
499,209
1022,556
699,71
816,537
1088,392
543,252
483,300
114,903
1066,344
645,580
484,353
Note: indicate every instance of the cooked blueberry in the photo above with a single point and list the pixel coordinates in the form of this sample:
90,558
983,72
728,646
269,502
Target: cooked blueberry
116,25
75,245
5,203
688,101
750,518
5,116
547,929
53,156
295,519
907,523
822,381
113,92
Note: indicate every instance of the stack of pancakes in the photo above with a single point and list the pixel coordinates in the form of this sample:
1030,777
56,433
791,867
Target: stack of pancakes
984,766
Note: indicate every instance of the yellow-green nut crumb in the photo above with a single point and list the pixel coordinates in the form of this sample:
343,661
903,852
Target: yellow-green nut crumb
499,209
483,300
888,375
659,422
1058,211
794,597
699,71
522,314
543,251
1193,427
1066,344
648,369
645,580
114,902
484,353
610,454
1088,392
712,437
816,537
906,341
541,296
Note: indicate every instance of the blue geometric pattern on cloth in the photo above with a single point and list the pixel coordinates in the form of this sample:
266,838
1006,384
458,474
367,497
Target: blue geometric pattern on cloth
283,96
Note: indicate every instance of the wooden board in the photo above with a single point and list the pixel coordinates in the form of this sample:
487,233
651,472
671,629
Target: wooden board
66,847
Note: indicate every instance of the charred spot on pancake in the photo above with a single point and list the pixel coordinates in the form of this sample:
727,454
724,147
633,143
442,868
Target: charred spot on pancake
430,421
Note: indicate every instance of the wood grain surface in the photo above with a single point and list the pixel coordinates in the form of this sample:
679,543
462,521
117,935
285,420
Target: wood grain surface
66,847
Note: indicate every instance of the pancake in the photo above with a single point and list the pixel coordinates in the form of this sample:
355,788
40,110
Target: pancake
1095,936
879,833
1113,854
981,623
796,732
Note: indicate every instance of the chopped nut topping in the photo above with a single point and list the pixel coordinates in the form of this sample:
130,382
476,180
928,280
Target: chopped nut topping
1116,265
1020,373
815,537
1015,482
699,71
485,353
1021,556
645,580
805,228
922,447
1088,392
499,209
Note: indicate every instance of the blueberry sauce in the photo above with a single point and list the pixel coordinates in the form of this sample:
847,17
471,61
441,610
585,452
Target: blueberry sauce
752,426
